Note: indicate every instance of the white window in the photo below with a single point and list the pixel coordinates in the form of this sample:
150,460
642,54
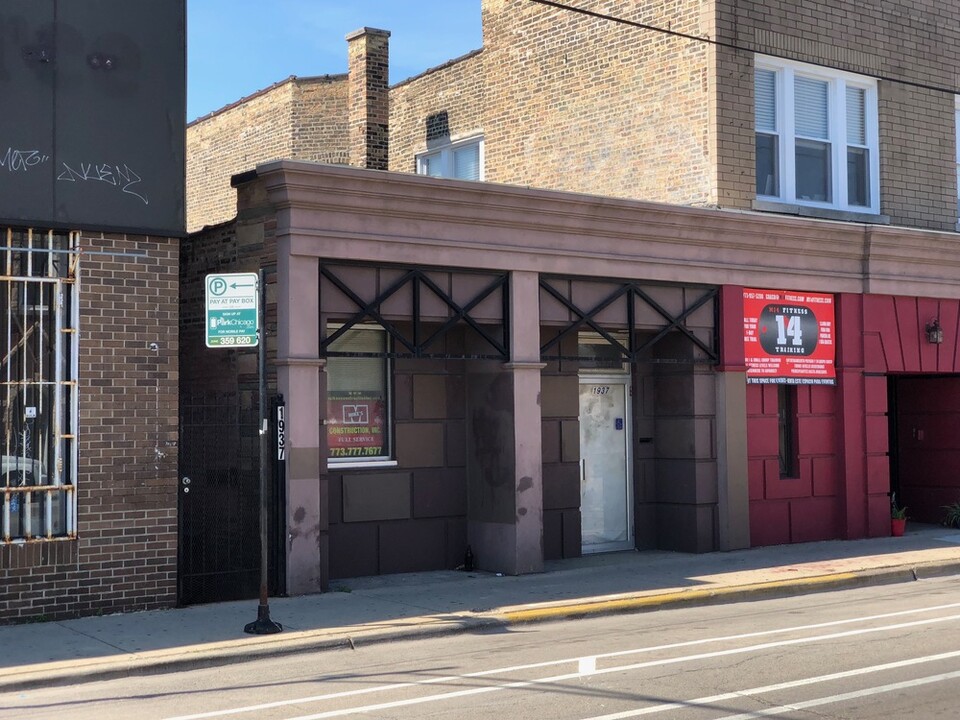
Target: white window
957,143
462,160
816,136
358,401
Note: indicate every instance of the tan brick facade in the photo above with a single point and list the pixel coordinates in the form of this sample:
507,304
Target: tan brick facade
584,104
576,102
126,552
304,118
548,93
451,96
916,42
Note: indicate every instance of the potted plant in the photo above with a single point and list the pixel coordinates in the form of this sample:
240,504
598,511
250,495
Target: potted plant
953,515
898,517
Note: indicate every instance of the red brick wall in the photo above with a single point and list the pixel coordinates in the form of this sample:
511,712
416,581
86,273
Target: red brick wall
125,555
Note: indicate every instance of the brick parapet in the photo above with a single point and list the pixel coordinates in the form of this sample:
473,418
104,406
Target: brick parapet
304,118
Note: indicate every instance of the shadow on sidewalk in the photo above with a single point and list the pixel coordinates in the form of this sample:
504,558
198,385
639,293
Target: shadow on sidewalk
446,601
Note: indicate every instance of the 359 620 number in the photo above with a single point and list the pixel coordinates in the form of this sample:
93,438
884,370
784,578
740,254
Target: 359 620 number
238,340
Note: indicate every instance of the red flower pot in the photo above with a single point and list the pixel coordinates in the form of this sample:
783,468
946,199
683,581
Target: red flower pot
897,526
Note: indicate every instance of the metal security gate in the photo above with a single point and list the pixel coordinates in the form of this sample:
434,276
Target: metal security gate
38,385
219,500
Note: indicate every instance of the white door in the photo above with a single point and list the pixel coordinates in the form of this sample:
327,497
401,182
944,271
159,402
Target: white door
606,498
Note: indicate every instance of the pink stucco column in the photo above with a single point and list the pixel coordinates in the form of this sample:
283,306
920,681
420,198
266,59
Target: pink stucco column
300,378
505,515
733,486
525,367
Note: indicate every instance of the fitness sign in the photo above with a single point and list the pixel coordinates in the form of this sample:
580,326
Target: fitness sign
788,337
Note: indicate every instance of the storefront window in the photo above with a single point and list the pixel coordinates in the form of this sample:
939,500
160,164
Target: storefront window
358,408
596,352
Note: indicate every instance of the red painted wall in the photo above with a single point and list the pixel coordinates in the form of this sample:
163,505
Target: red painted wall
843,484
806,507
894,340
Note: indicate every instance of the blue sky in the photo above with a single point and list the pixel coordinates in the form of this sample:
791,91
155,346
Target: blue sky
236,47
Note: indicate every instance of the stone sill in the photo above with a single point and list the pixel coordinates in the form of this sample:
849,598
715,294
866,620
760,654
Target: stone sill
819,212
362,464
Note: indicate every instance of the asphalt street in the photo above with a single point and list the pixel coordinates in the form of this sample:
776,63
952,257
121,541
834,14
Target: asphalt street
387,608
873,652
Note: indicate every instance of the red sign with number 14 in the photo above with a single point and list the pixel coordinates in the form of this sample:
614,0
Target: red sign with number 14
788,337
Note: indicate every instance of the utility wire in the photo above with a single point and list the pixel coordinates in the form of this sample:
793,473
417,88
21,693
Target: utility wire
728,45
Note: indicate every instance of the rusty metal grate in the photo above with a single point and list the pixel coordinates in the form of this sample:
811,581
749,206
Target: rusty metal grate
38,385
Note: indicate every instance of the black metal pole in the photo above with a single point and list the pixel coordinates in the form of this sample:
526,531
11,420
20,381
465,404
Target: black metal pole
263,625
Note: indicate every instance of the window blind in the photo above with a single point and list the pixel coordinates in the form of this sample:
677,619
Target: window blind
765,94
856,116
466,162
357,373
810,107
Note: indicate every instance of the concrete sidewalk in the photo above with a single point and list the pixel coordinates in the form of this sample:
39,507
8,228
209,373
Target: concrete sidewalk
367,610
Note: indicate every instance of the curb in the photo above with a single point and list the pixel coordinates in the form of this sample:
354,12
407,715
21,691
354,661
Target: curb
158,662
244,649
729,594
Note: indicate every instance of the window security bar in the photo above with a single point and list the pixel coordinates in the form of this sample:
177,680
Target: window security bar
39,362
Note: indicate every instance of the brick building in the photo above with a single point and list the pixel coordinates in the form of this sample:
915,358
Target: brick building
814,147
297,117
91,216
119,457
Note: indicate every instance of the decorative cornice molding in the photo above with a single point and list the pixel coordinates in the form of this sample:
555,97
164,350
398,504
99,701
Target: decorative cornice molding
349,213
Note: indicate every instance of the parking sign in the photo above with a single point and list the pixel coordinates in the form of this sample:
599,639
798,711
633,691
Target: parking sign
233,310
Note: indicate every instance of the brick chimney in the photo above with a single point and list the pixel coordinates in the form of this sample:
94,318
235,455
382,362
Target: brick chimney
368,68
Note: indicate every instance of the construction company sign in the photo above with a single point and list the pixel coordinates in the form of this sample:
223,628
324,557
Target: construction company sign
788,337
233,310
355,423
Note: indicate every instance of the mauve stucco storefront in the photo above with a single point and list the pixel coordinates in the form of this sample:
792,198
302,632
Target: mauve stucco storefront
488,296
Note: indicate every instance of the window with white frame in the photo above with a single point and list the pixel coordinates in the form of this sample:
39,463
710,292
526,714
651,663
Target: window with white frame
816,136
957,144
462,160
358,407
